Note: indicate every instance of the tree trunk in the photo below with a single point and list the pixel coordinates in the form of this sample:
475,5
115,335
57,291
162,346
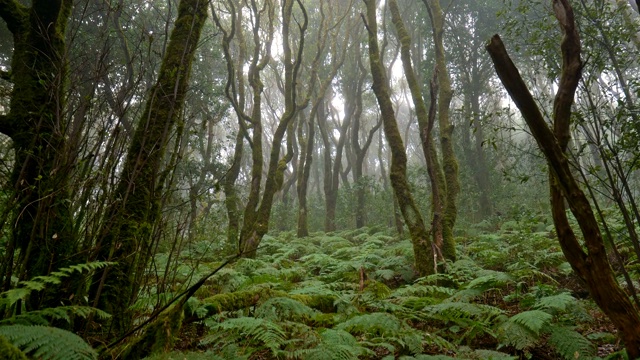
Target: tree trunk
258,211
591,265
449,161
426,119
129,224
424,260
36,124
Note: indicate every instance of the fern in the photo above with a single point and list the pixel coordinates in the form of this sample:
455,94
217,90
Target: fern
570,344
259,332
516,335
555,303
48,343
375,324
38,283
532,320
384,330
282,308
44,316
337,345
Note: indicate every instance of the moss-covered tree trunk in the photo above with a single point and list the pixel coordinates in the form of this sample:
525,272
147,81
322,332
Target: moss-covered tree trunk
42,227
304,171
128,225
258,209
426,119
449,161
423,252
588,258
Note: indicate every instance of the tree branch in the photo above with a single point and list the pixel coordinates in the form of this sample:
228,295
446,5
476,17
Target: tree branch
571,71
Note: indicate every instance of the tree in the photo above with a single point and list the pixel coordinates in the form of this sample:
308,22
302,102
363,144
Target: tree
257,211
37,125
591,263
449,162
424,259
126,235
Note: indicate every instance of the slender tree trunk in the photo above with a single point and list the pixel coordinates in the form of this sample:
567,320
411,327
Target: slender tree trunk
426,119
589,262
449,161
306,144
423,253
130,222
257,213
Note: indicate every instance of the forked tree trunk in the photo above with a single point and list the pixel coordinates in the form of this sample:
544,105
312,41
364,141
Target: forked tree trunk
591,265
426,119
449,160
424,260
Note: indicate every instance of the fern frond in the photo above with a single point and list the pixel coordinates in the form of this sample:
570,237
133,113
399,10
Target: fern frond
48,343
337,345
375,324
9,351
39,283
491,355
491,279
43,317
516,335
251,330
532,320
555,303
570,344
284,309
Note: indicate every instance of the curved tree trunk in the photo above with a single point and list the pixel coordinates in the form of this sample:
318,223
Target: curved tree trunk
426,119
590,262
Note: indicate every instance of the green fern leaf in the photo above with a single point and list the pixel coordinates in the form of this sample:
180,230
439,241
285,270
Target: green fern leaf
284,309
338,345
261,332
48,343
376,324
555,303
533,320
516,335
570,343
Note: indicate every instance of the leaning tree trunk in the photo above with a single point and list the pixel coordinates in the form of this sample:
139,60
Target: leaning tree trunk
36,124
589,262
424,259
126,234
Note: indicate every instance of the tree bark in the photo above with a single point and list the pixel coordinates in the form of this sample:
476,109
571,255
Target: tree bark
37,125
424,259
591,265
129,224
449,161
426,119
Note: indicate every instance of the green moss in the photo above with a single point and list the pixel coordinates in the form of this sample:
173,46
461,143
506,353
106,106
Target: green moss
247,298
9,351
158,336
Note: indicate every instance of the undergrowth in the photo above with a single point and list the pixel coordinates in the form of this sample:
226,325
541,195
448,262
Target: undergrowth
354,295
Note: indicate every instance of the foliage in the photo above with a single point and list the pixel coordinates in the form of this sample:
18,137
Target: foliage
44,342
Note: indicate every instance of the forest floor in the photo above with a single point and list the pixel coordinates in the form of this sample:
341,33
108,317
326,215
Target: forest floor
355,295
